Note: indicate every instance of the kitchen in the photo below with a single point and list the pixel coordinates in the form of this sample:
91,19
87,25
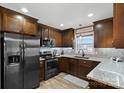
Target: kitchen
84,52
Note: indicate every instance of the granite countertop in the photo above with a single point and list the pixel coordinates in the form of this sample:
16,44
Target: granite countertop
107,71
110,73
90,58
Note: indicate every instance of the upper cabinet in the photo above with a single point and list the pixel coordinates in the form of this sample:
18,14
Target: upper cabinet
44,30
67,37
49,34
119,25
12,23
58,38
103,33
30,27
18,23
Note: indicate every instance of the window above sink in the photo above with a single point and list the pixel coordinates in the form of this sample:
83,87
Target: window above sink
85,39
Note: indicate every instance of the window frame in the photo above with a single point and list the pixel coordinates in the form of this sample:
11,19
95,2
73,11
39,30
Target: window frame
86,34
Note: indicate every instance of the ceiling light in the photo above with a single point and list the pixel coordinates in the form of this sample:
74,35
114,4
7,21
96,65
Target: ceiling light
19,17
25,10
61,24
90,14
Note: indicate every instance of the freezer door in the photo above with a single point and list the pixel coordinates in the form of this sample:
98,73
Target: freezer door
31,62
31,72
13,61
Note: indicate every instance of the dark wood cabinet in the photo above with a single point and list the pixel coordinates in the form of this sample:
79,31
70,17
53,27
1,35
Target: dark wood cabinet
48,33
15,22
64,65
62,38
12,22
73,66
58,38
67,37
44,32
98,85
77,67
30,27
119,25
42,71
103,33
51,33
85,66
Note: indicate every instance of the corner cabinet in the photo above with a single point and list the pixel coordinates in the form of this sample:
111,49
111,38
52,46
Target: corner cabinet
119,25
77,67
58,38
85,66
67,37
103,33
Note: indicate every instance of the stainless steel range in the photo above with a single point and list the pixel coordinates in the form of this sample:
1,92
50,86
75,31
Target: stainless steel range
51,65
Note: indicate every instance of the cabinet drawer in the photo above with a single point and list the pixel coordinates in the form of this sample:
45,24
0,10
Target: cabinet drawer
88,63
85,63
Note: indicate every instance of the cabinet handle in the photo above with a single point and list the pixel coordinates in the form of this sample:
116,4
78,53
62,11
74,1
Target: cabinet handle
84,62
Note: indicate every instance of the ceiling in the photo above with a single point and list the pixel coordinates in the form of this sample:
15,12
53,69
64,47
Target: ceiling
69,14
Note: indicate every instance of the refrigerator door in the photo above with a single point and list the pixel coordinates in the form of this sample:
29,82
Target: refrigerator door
13,61
31,62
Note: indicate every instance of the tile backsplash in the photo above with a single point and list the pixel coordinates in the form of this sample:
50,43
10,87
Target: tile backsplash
109,52
98,52
59,50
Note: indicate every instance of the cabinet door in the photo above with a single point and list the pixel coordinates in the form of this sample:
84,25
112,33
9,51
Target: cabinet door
51,33
63,65
98,85
45,33
85,66
103,33
83,70
67,38
12,22
73,66
30,27
58,38
119,25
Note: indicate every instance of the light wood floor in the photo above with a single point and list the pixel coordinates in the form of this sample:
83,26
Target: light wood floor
58,82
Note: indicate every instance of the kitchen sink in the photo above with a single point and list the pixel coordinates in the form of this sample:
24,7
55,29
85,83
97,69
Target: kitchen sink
84,57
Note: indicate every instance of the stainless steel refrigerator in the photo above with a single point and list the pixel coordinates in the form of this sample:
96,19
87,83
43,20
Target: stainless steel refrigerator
21,61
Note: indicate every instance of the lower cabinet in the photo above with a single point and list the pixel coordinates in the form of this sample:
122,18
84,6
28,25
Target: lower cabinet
77,67
85,66
97,85
64,65
73,66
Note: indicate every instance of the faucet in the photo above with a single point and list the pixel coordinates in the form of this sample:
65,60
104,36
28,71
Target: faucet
82,52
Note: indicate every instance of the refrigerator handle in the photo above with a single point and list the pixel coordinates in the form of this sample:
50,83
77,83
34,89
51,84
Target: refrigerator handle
21,55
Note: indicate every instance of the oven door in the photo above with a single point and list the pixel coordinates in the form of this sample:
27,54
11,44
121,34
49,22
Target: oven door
51,68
